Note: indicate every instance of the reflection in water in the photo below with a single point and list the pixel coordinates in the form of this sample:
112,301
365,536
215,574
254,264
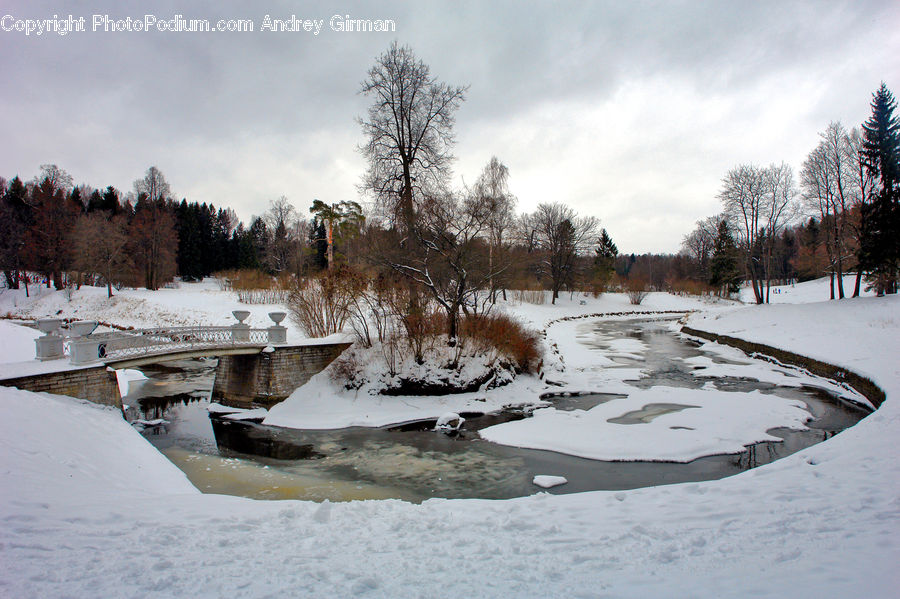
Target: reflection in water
648,413
412,462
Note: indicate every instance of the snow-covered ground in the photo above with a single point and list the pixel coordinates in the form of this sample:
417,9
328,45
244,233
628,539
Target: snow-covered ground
200,303
806,292
87,507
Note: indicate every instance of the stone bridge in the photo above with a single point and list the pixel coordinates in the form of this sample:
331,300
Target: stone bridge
256,366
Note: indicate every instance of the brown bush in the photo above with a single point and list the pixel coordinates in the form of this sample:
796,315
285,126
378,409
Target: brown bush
509,337
321,305
252,286
637,289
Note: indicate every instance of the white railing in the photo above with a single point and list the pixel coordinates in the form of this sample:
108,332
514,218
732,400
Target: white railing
146,342
85,347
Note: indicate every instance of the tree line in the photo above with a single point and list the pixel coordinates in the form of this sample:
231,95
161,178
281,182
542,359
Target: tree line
842,216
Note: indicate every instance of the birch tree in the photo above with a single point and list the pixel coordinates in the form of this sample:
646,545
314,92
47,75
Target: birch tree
743,196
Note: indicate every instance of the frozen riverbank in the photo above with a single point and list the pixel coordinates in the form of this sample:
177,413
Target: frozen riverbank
820,523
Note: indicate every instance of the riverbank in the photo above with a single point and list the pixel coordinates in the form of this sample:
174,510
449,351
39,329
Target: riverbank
820,523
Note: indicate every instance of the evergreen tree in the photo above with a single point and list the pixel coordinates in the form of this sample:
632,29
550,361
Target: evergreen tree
95,201
15,219
110,201
724,272
605,258
879,252
259,235
319,243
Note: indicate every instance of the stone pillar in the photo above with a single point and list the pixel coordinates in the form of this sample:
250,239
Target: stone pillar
84,348
50,346
277,333
270,376
240,332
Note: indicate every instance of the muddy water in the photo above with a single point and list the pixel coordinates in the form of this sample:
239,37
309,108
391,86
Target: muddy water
412,462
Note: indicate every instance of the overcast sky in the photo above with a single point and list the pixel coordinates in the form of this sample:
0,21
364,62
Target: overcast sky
628,111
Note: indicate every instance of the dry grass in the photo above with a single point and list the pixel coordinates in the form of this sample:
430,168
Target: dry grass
508,336
530,296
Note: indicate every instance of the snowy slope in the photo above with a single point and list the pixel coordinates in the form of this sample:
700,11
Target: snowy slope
123,522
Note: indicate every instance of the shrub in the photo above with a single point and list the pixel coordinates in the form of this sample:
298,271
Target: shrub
320,305
253,286
636,289
531,296
506,335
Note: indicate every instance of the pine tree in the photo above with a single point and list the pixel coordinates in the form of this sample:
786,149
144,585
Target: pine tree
15,219
724,272
879,252
605,258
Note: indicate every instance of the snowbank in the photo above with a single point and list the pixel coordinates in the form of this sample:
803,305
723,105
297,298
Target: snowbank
88,508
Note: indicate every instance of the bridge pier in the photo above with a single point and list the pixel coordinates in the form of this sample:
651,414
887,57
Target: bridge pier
269,377
97,384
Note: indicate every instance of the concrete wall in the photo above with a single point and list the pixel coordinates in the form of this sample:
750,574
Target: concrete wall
269,377
864,385
264,378
96,384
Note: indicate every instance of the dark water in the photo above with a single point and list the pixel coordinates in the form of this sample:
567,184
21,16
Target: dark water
411,461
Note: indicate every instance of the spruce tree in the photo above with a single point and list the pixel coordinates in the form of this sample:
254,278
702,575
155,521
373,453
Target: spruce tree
724,272
879,252
605,258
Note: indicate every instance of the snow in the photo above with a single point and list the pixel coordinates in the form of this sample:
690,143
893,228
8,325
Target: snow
254,414
546,481
449,421
89,508
705,422
125,376
806,292
16,339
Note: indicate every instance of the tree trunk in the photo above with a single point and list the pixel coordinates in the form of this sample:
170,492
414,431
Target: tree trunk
858,279
840,277
831,275
11,279
330,251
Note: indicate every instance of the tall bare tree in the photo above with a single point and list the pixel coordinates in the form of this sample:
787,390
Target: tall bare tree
828,190
700,243
153,185
779,210
409,132
101,247
743,196
281,219
46,242
561,236
862,187
492,191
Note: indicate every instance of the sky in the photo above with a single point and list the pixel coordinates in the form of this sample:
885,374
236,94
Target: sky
628,111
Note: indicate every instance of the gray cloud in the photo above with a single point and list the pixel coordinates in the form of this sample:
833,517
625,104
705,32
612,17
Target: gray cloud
631,111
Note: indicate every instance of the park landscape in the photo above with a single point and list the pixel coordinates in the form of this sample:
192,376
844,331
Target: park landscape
522,410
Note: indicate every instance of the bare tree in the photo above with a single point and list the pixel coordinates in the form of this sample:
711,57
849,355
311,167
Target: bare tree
101,247
561,237
153,185
409,132
452,265
492,191
153,242
700,242
280,219
743,195
829,191
779,210
862,186
46,241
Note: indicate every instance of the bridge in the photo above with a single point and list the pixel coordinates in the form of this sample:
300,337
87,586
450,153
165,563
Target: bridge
256,366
